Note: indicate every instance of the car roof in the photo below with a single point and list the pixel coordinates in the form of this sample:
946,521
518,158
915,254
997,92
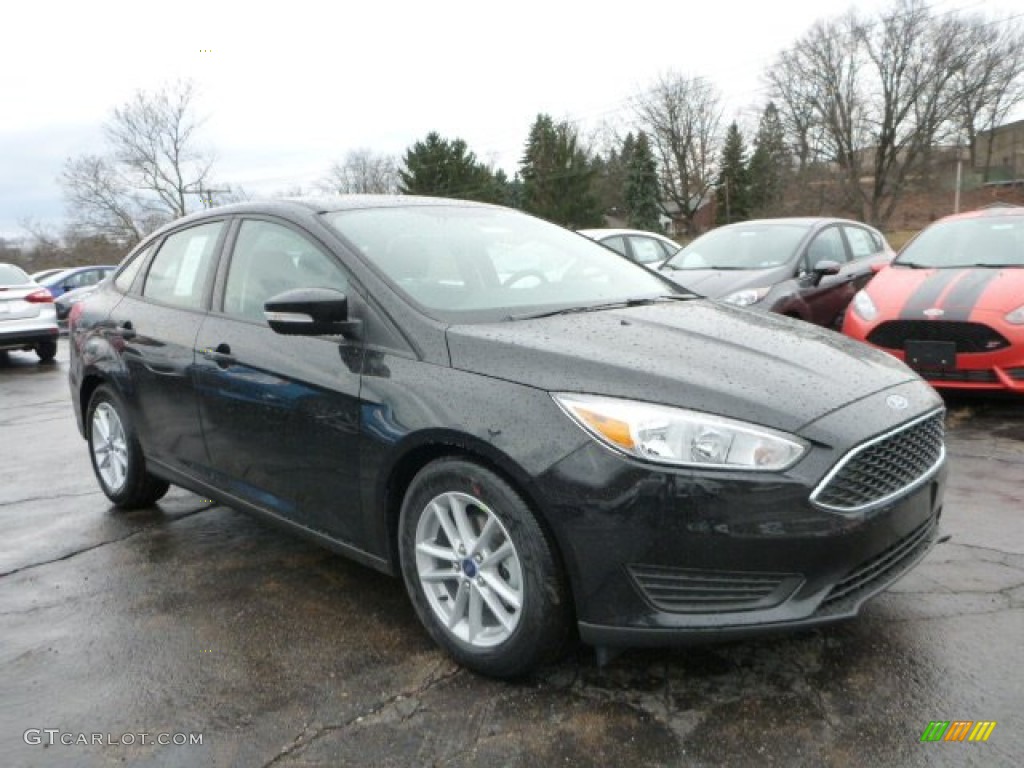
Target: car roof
994,212
791,220
617,231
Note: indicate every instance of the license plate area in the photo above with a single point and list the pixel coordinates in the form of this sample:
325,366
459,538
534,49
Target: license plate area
932,355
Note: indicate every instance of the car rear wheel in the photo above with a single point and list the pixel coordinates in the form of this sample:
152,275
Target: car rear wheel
47,350
116,455
480,571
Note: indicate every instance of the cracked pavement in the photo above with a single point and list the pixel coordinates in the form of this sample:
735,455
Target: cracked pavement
190,617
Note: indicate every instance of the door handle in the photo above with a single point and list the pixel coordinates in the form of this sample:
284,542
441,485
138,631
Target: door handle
126,330
221,355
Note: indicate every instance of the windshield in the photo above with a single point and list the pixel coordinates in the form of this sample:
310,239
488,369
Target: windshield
746,247
997,241
463,263
12,275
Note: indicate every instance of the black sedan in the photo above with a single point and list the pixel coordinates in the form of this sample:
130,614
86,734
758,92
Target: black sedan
808,268
536,433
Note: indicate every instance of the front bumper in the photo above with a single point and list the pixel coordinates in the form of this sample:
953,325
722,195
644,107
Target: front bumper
661,557
1001,370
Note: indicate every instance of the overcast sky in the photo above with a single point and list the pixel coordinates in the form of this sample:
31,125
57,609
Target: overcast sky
288,88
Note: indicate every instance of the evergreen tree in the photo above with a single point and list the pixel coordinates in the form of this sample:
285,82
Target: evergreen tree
642,188
733,186
769,164
558,176
611,174
443,168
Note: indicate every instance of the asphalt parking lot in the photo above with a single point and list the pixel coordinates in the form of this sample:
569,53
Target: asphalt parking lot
190,619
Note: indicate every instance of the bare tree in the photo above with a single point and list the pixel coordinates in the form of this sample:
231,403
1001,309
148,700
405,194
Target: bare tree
100,200
682,116
153,166
153,138
990,82
873,95
362,172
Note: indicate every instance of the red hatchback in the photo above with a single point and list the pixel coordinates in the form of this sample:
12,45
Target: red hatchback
951,305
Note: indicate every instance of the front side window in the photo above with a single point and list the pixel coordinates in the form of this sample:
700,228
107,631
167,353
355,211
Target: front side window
269,259
827,245
180,270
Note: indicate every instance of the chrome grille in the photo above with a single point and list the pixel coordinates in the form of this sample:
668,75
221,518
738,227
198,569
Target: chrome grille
884,468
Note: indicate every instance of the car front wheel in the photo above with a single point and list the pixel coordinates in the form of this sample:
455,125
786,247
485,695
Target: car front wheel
116,455
480,571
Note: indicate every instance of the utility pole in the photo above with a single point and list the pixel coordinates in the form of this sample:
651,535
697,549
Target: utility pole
206,195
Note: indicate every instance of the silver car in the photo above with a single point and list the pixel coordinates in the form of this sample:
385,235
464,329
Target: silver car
28,319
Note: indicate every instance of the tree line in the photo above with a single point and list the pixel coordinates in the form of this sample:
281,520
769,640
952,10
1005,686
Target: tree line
857,107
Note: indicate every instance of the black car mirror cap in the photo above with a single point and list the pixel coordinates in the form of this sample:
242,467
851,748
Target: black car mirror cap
825,267
311,312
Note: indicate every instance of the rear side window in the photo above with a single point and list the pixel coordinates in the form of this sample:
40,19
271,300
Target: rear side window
646,250
862,244
616,243
180,269
126,276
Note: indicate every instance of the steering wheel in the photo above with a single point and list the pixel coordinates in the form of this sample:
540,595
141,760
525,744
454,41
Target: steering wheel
522,274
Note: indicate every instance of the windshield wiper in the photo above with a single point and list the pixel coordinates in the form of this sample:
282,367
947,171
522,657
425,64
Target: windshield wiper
608,305
911,265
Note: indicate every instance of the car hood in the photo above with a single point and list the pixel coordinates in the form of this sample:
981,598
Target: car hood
718,283
908,293
710,357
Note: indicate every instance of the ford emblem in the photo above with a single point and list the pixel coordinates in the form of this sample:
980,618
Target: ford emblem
897,402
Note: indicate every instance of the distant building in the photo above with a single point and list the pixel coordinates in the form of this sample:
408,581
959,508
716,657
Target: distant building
1007,158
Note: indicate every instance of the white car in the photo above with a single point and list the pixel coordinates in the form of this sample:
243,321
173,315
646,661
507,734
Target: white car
28,319
647,248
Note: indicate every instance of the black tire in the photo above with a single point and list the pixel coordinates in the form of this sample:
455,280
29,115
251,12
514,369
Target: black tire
542,621
47,350
138,488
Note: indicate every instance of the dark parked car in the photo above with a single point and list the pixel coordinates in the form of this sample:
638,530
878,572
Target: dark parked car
75,277
807,268
68,299
574,442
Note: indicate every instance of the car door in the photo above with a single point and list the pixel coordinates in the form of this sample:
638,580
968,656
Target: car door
154,326
825,299
280,413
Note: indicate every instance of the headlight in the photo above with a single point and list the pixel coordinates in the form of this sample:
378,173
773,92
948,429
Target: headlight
864,306
680,437
1017,316
747,296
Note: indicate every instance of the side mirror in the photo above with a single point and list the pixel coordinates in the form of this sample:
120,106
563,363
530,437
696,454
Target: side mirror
311,312
823,268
